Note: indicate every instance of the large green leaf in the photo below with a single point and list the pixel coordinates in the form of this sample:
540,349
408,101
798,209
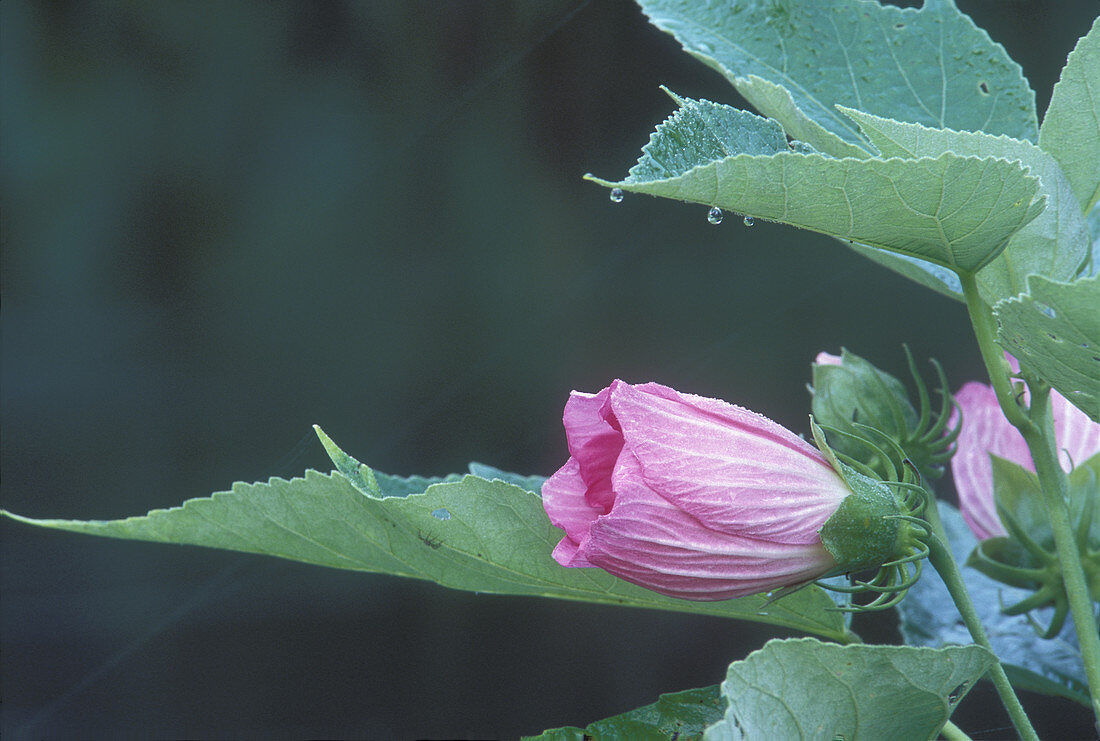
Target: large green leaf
1055,244
802,688
795,61
1054,331
467,533
929,618
951,210
683,716
1093,220
1071,128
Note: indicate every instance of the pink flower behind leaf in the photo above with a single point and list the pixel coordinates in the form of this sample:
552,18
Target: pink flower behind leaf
688,496
985,431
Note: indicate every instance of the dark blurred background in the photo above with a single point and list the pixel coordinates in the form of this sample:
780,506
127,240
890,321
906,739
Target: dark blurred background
226,221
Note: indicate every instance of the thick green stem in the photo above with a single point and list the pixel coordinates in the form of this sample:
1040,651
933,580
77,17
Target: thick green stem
952,732
1037,428
1052,482
943,561
985,330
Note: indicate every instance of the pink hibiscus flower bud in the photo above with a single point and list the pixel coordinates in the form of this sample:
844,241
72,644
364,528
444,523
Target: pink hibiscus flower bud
824,358
693,497
985,431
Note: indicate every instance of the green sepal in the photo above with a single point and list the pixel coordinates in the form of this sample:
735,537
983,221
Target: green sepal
1018,497
1084,500
856,389
1005,560
865,530
855,395
1084,507
1027,557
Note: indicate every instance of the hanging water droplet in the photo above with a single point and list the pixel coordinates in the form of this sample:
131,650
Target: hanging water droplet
748,221
616,195
715,215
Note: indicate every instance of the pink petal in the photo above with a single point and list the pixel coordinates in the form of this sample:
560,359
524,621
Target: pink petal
736,471
824,358
564,501
651,542
594,443
1078,436
984,431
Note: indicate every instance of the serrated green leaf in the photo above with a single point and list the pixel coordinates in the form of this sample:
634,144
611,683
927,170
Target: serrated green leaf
471,533
1055,244
957,212
802,688
796,61
1054,331
929,618
700,131
1071,127
776,102
492,473
683,716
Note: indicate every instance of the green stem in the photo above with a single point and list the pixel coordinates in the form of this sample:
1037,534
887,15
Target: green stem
1037,428
952,732
943,561
1052,482
985,330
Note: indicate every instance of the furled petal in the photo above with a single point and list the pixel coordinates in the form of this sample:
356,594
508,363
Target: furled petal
734,470
650,541
824,358
594,443
564,501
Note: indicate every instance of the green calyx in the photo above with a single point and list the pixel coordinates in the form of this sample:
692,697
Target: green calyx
877,526
1027,558
865,531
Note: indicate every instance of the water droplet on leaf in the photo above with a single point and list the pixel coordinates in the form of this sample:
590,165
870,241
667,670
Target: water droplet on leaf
616,195
715,215
748,221
441,514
